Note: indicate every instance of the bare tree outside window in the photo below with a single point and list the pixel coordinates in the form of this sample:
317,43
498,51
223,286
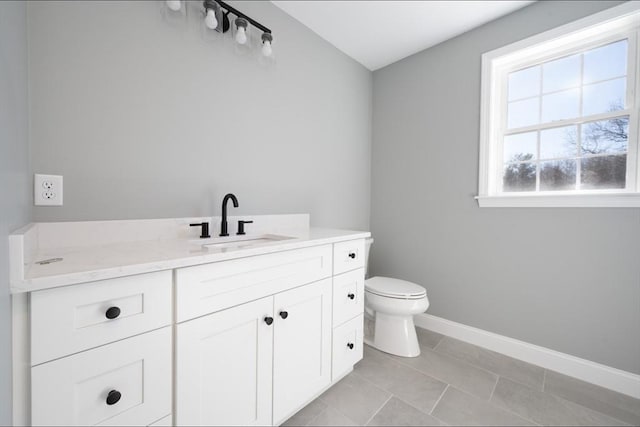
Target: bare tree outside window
600,160
520,176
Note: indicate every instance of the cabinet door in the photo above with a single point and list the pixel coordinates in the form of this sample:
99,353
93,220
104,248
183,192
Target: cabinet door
302,347
224,367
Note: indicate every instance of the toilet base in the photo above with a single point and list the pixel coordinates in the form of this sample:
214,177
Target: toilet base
394,335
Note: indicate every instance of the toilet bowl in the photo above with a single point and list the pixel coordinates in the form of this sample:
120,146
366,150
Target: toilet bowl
390,305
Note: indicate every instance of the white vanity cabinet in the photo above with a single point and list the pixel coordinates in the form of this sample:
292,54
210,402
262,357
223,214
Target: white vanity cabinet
243,341
253,363
256,363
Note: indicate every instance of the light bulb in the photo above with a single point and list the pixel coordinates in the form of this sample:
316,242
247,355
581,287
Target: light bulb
267,38
174,5
210,20
266,48
241,35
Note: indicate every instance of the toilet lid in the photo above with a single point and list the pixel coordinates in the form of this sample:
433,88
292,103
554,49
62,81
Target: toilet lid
388,287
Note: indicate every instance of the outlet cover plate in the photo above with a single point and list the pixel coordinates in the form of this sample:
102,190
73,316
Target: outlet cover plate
47,190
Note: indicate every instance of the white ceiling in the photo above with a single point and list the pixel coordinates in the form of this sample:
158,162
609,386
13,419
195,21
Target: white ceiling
377,33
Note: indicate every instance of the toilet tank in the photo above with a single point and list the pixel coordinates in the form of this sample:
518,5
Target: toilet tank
367,247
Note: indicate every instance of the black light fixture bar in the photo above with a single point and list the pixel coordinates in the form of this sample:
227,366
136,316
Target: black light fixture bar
239,14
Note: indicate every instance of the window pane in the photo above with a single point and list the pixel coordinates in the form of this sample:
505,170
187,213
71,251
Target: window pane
604,97
558,175
519,177
520,147
562,73
560,105
605,62
604,172
523,113
559,142
524,83
605,136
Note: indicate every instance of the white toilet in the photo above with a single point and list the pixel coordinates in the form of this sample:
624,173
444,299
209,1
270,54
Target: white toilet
390,305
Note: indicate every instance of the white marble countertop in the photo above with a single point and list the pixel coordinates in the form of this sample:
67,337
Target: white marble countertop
106,260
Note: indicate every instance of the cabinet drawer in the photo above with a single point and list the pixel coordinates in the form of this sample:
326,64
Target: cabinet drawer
74,318
75,390
348,296
348,256
344,356
212,287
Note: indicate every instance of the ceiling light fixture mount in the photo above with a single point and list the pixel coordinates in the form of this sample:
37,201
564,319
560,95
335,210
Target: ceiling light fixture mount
217,13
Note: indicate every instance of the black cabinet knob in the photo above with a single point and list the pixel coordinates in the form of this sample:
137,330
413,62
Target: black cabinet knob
112,312
350,345
113,397
352,255
351,296
284,314
268,320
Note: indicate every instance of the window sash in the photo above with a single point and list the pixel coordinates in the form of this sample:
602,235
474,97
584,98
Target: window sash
579,155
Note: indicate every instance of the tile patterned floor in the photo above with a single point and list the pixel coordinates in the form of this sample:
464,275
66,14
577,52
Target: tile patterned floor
455,383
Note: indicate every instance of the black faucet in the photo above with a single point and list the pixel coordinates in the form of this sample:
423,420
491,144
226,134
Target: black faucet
223,225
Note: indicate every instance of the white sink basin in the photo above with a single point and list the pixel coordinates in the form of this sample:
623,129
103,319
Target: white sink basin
242,242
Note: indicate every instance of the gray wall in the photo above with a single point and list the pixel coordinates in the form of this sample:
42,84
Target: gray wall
14,168
567,279
148,120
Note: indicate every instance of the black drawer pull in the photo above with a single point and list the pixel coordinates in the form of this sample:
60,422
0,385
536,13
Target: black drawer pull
352,255
351,296
268,320
112,313
284,314
350,345
113,397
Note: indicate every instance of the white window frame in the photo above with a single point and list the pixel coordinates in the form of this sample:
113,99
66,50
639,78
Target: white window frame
612,24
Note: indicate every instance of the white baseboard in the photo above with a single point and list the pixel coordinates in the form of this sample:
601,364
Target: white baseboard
595,373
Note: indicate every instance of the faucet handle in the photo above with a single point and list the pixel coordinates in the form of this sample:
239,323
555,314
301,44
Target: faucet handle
241,227
205,229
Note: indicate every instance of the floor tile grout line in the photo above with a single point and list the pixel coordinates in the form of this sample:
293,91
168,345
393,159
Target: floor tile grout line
439,399
365,379
405,366
507,409
391,395
400,398
442,337
379,409
584,405
497,374
441,379
401,362
501,355
588,408
559,398
495,386
413,405
502,408
334,409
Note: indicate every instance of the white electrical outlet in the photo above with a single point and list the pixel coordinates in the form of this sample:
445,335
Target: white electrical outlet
47,190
